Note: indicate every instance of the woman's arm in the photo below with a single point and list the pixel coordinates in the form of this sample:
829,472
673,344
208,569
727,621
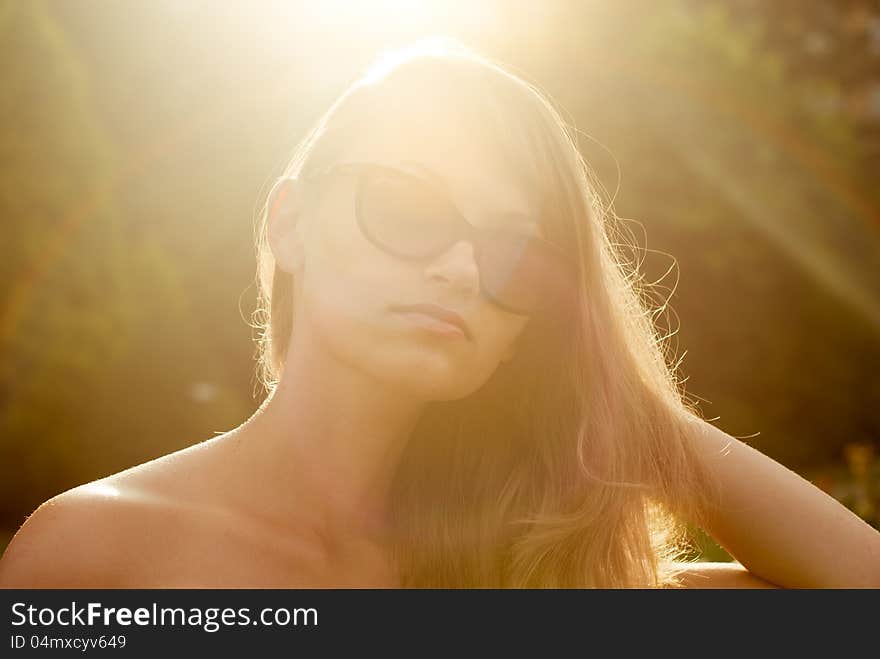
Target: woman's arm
719,575
779,526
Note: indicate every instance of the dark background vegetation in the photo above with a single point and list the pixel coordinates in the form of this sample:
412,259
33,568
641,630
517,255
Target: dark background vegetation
741,139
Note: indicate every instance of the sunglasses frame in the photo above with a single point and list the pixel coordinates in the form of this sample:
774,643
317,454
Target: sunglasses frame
477,237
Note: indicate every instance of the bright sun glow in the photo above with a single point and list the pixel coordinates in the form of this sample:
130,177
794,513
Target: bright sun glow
346,26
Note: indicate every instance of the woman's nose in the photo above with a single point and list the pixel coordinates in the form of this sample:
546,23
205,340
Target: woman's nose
457,266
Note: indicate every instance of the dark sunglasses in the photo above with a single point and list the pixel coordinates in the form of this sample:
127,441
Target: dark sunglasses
411,218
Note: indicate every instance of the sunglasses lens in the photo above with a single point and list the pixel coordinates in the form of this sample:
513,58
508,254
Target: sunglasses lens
404,216
523,274
407,217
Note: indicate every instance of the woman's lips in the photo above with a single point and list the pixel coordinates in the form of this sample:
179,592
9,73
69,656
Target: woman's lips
431,323
435,317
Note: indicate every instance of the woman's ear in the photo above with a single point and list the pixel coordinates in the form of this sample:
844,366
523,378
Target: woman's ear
284,210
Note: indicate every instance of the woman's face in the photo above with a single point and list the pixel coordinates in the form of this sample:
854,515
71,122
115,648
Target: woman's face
347,287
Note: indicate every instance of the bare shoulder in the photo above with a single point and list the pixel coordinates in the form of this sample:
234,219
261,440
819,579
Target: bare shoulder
70,541
170,522
98,534
719,575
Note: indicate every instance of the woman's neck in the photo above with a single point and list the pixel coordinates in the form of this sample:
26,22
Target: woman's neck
327,443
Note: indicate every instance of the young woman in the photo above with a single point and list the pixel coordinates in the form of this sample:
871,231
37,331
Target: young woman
465,388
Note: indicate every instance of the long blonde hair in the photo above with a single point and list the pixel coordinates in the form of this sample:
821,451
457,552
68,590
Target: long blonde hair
573,466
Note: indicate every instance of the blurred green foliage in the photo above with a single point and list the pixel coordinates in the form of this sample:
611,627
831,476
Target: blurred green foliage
138,137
